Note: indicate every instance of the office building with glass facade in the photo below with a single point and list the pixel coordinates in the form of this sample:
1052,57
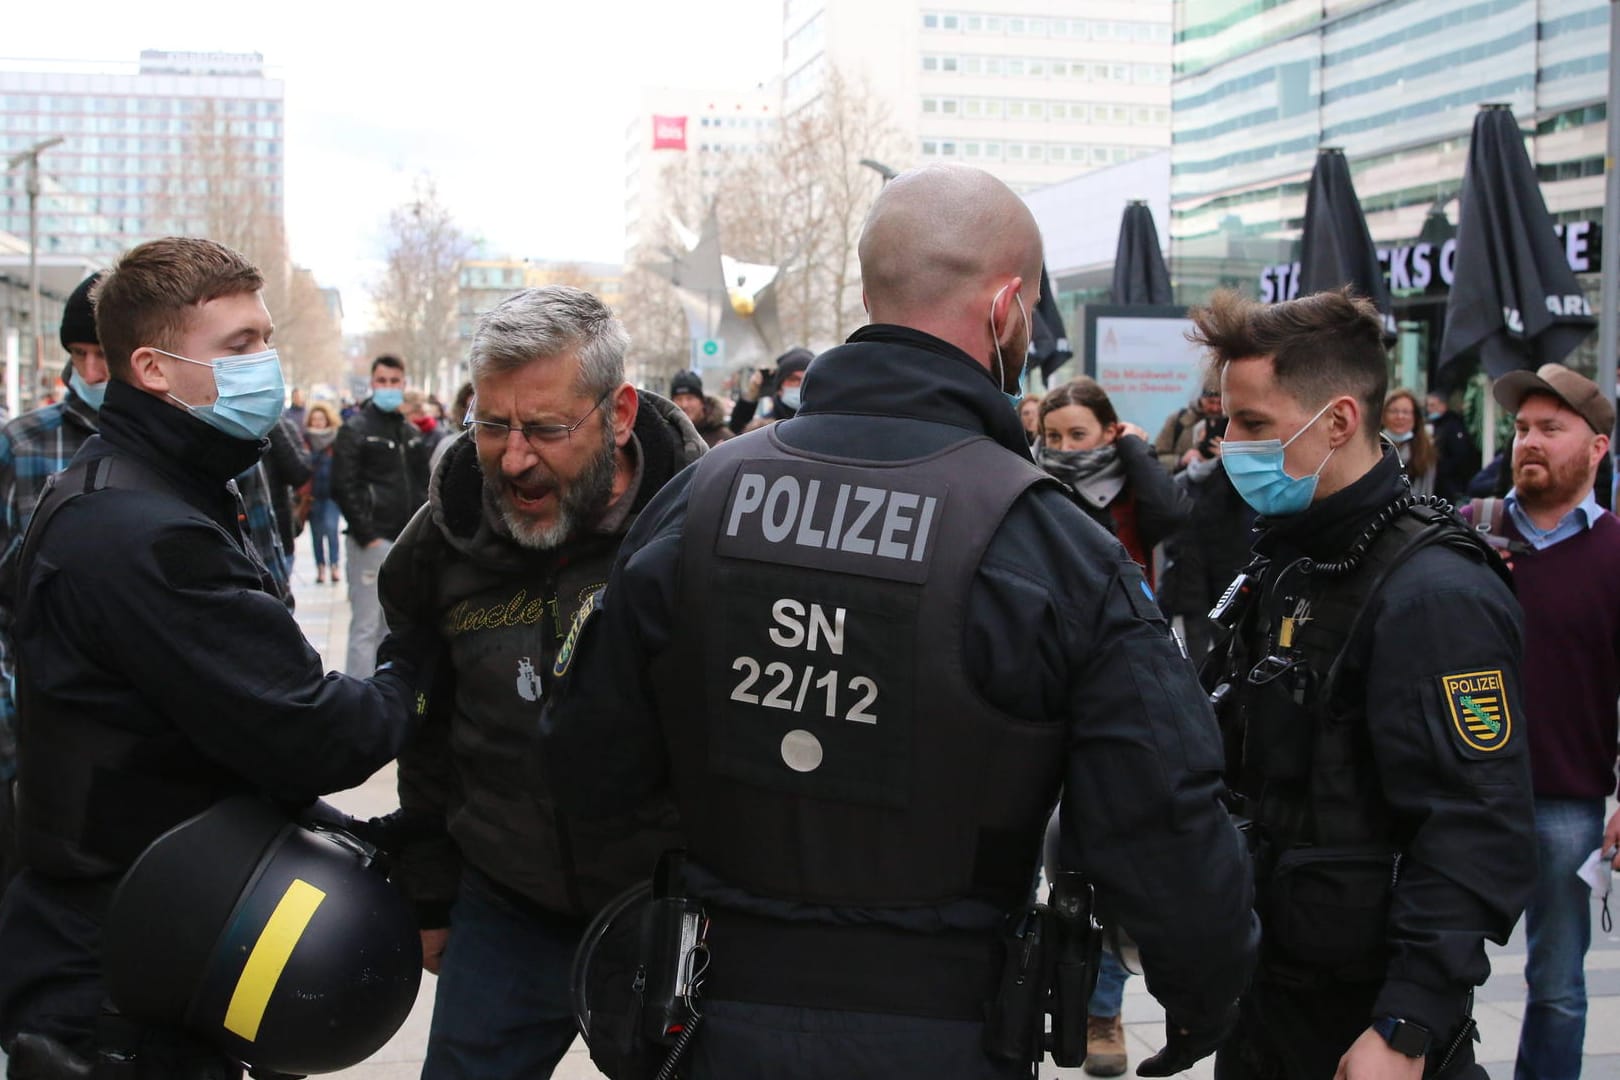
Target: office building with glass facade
188,143
1260,86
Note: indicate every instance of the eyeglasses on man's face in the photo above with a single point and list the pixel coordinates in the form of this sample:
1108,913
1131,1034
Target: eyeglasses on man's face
493,431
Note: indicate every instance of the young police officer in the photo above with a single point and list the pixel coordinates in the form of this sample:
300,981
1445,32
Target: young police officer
158,671
1371,698
867,647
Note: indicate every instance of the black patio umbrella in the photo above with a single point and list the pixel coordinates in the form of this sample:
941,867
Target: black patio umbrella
1048,340
1140,276
1337,249
1514,300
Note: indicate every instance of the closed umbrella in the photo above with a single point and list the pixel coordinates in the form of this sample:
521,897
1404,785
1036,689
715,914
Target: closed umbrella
1140,275
1048,339
1337,249
1514,300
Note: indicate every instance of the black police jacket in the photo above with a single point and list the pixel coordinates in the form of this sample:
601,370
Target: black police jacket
1448,796
379,473
158,672
1057,631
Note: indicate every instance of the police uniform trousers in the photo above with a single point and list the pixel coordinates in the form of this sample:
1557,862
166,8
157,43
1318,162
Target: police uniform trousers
1286,1032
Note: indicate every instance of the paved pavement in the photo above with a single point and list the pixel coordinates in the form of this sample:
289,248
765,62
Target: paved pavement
1499,1007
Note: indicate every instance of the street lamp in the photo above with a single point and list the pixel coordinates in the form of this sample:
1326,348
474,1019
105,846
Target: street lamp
31,186
880,168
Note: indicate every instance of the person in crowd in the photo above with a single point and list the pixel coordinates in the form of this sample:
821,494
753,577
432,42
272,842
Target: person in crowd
1564,550
707,413
1177,444
857,895
522,524
320,429
1110,466
1370,692
286,469
157,673
455,423
34,447
296,410
1456,454
783,387
1029,414
418,409
1410,437
379,478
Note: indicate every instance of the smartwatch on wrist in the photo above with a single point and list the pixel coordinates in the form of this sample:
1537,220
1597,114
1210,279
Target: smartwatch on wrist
1403,1036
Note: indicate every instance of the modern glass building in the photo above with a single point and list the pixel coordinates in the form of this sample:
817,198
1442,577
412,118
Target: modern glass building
1260,85
187,143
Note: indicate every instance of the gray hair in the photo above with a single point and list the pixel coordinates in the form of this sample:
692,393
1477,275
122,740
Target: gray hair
538,324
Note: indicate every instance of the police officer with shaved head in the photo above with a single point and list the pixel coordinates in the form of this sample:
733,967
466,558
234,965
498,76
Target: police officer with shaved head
868,648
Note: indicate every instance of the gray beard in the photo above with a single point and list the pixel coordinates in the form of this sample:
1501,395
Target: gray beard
578,503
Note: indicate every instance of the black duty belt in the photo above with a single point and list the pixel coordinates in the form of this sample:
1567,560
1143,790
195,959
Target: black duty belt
862,968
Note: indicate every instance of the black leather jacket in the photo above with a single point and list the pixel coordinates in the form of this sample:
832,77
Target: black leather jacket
379,473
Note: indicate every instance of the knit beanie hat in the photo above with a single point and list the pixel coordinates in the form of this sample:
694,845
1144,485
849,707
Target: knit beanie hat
79,316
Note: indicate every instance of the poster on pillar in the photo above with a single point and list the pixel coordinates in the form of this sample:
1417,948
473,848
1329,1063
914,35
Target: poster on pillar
1141,357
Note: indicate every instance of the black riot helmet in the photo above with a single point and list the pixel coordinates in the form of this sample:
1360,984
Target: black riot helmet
284,947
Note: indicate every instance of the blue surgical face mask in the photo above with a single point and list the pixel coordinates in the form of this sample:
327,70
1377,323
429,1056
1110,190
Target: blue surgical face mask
251,392
1399,439
792,397
388,398
1001,374
1255,467
92,394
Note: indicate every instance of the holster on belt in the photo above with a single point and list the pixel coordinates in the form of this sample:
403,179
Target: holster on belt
1052,955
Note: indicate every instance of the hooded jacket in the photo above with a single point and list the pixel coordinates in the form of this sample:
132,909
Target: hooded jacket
503,611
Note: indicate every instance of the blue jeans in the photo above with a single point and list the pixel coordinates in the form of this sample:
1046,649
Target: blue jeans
1558,930
1109,995
502,1010
323,531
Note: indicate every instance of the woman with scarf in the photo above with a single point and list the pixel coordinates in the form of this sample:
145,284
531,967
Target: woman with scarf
1111,467
320,428
1403,426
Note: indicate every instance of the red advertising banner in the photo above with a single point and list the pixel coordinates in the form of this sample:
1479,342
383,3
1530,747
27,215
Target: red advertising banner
669,133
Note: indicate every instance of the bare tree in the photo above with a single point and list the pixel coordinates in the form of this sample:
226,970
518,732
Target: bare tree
415,298
224,192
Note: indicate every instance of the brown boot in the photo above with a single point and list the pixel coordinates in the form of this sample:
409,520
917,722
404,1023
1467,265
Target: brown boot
1105,1046
320,575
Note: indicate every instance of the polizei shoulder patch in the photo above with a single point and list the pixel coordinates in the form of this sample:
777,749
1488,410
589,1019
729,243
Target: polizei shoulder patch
1479,709
565,655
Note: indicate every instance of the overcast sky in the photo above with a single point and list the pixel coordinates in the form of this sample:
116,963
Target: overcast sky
516,109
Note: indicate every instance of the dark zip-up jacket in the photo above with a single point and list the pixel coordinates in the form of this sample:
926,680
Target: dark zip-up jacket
157,673
1058,630
503,611
379,473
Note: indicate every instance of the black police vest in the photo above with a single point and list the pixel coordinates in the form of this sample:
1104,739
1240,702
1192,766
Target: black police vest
93,793
825,743
1306,765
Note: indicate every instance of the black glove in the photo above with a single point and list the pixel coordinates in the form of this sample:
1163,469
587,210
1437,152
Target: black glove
1184,1049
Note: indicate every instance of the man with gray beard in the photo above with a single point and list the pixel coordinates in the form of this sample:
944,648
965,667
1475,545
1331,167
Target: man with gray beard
524,517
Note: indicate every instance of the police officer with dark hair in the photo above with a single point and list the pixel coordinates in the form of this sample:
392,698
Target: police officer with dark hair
867,647
1369,690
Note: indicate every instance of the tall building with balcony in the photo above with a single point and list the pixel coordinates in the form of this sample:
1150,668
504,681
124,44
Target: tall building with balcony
1396,84
188,143
1035,91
